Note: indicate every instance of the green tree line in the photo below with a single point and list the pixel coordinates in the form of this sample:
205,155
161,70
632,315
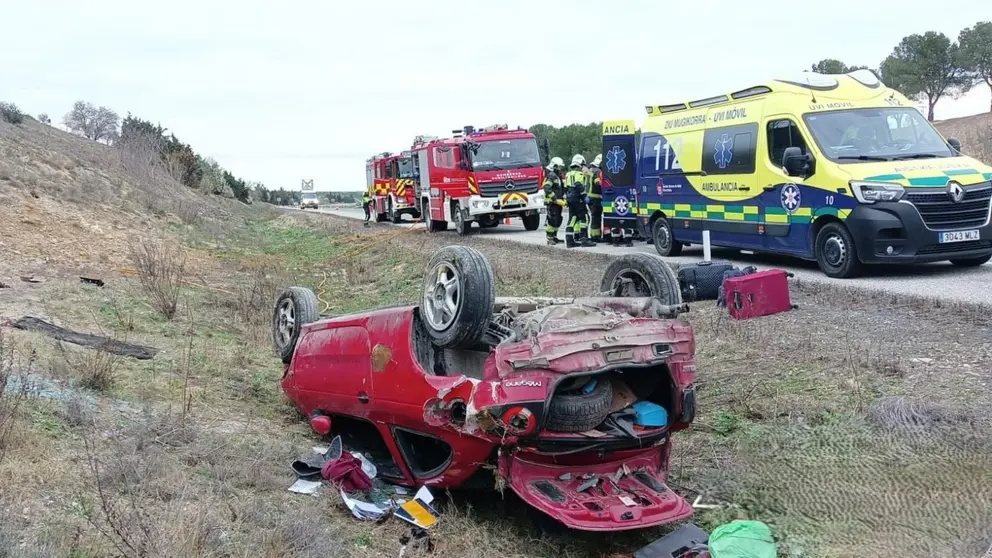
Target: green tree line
930,66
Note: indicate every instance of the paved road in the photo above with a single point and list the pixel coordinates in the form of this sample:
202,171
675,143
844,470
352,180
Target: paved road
938,280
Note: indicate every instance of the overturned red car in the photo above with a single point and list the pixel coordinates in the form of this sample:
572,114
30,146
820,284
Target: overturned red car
571,402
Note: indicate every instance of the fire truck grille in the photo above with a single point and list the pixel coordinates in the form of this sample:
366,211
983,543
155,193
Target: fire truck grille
497,188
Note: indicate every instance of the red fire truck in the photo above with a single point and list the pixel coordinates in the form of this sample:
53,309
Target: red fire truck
390,179
480,176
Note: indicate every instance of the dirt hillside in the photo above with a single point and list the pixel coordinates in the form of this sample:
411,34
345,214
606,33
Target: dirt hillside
975,133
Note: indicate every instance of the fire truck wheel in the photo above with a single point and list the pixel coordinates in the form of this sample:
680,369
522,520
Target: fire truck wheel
532,222
642,275
395,216
380,217
295,307
458,297
462,225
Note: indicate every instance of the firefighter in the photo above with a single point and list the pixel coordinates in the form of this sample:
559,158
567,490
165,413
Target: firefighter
594,200
554,198
366,201
575,192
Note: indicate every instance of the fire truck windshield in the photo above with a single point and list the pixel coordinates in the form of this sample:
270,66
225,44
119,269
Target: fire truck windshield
506,154
406,167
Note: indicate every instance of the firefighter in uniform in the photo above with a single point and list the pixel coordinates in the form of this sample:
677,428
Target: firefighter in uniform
554,198
594,199
575,193
366,200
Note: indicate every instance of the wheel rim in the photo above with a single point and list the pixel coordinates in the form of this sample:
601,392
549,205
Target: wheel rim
663,238
834,251
637,287
442,294
285,322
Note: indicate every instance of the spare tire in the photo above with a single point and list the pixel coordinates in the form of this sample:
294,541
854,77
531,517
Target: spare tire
458,297
636,275
295,307
578,412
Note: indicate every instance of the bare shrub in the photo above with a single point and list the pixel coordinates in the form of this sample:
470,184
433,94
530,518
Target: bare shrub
162,270
14,388
10,113
95,369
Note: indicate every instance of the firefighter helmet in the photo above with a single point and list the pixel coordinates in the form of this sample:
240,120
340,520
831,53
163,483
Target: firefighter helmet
556,162
578,160
598,160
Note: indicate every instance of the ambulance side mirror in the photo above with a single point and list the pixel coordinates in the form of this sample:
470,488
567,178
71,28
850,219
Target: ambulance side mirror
797,163
955,144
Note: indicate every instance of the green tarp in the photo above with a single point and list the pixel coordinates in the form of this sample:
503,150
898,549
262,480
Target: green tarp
742,539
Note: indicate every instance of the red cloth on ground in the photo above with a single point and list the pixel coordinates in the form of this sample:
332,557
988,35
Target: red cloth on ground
346,473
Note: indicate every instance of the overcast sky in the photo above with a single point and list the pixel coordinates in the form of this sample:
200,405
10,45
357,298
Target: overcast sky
279,92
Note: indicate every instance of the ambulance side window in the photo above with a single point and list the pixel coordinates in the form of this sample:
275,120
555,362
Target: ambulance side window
783,134
729,149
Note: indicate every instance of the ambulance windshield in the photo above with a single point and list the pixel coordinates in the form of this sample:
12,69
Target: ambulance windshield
506,154
406,167
876,134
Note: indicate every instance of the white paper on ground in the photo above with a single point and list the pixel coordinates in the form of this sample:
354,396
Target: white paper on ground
362,510
305,487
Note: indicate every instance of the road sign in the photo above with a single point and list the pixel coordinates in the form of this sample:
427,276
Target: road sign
306,185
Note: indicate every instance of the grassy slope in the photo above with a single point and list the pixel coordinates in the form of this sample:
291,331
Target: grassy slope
192,448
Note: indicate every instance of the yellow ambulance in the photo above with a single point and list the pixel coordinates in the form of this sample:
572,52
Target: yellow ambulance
834,168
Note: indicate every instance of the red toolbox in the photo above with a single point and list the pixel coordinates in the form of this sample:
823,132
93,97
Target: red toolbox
759,294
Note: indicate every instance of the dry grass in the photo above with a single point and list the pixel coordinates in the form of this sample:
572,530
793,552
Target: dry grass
975,133
161,269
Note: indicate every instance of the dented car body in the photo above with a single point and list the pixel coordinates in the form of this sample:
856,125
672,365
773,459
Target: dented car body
457,416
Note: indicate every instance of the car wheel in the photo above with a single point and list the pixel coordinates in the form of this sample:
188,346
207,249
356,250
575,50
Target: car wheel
295,307
664,241
836,253
459,293
642,275
972,262
575,411
532,222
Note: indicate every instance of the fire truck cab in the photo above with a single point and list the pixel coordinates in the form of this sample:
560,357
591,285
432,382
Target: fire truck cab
378,181
402,191
480,176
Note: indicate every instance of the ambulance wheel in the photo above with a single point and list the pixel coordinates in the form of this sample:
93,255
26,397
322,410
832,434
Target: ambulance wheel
664,241
971,262
458,297
836,253
462,225
295,308
532,222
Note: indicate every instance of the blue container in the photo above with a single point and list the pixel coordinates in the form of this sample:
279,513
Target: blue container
650,415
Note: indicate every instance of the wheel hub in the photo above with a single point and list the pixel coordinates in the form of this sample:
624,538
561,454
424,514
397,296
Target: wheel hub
834,251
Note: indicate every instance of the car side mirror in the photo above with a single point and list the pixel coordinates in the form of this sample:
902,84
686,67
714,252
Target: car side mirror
797,163
955,144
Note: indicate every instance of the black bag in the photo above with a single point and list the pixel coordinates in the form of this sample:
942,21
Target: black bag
701,281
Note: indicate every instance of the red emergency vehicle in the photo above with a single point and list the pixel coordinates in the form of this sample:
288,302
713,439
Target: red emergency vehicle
378,183
390,181
481,176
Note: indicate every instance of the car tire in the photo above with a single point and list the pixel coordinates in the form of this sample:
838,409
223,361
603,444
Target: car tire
580,412
458,297
663,239
295,307
532,222
971,262
649,275
836,254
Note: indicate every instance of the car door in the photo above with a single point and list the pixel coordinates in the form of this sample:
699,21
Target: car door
334,369
785,200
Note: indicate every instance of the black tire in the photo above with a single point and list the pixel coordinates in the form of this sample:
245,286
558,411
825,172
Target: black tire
300,305
649,276
380,217
532,222
462,226
663,239
836,253
580,412
972,262
489,222
473,301
395,216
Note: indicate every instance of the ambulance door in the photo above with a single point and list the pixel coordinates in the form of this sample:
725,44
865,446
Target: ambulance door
729,186
619,176
782,197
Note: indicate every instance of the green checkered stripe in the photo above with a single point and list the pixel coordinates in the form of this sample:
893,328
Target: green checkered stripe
739,213
932,180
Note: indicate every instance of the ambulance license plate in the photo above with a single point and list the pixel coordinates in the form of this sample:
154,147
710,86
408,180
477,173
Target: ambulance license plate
958,236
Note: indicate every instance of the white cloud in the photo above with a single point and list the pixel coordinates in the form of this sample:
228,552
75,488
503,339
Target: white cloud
308,89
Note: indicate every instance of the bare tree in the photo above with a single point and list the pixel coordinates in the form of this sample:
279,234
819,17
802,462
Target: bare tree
44,119
95,123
